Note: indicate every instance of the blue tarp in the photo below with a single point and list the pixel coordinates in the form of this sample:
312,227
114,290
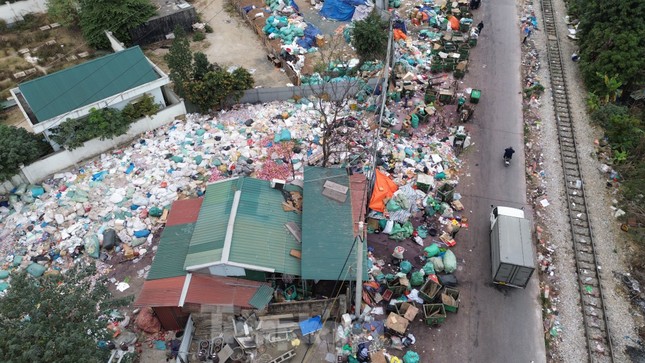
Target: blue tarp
341,10
309,39
311,325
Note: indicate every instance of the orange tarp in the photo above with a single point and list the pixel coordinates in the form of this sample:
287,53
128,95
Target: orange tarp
454,23
384,187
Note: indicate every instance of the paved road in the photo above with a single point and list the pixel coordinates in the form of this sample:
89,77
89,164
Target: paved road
494,324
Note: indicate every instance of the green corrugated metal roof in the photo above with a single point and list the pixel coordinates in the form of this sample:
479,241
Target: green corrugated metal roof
210,229
328,232
260,237
173,246
55,94
262,297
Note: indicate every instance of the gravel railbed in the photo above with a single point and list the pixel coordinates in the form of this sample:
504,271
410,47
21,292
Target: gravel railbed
611,250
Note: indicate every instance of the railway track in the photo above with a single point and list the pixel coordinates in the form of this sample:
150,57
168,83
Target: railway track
598,337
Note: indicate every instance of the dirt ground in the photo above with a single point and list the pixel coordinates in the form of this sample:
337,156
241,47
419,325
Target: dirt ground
233,43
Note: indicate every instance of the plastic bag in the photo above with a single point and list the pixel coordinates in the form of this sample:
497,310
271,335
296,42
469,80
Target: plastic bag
428,268
388,227
432,250
449,262
109,239
417,278
36,270
155,212
437,263
411,357
405,266
92,246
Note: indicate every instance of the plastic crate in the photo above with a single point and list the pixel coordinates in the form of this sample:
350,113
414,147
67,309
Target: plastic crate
454,294
434,314
429,291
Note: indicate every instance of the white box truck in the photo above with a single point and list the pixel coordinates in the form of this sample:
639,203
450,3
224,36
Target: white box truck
511,247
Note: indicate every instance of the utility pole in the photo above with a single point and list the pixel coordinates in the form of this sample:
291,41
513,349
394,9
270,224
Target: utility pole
359,270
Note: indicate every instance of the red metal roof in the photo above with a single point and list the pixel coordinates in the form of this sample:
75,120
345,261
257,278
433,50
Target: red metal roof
162,292
203,290
216,290
184,211
358,191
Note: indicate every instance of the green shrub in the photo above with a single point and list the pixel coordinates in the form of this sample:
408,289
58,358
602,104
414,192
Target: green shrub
104,124
208,28
198,37
145,106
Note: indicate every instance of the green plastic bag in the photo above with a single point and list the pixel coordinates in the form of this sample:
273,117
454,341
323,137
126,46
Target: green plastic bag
3,286
432,250
177,159
411,357
155,212
417,278
392,206
414,121
4,274
405,266
428,268
36,270
449,262
92,246
198,159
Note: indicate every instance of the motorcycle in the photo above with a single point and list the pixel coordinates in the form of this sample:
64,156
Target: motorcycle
507,160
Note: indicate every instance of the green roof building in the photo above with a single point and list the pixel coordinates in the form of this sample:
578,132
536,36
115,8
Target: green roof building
328,234
242,229
112,81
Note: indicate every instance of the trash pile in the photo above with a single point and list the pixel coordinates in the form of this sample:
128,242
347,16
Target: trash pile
414,203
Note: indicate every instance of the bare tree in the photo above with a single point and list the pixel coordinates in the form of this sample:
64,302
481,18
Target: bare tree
340,79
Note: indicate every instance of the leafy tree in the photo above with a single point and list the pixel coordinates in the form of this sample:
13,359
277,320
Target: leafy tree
18,146
118,16
370,38
66,12
242,80
179,60
201,66
612,39
55,318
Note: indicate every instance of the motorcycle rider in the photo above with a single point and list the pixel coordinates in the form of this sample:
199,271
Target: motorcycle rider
508,153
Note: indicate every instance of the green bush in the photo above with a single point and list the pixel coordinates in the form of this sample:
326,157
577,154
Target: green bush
104,124
208,28
145,106
198,37
18,146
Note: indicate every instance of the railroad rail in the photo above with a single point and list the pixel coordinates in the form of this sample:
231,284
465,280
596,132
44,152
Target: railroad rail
596,327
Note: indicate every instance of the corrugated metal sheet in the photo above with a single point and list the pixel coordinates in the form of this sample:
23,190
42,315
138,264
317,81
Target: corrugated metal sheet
184,211
328,231
171,252
57,93
260,237
215,290
208,239
262,297
162,292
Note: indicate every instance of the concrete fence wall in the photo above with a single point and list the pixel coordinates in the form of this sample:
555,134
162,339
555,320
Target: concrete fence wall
41,169
335,92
